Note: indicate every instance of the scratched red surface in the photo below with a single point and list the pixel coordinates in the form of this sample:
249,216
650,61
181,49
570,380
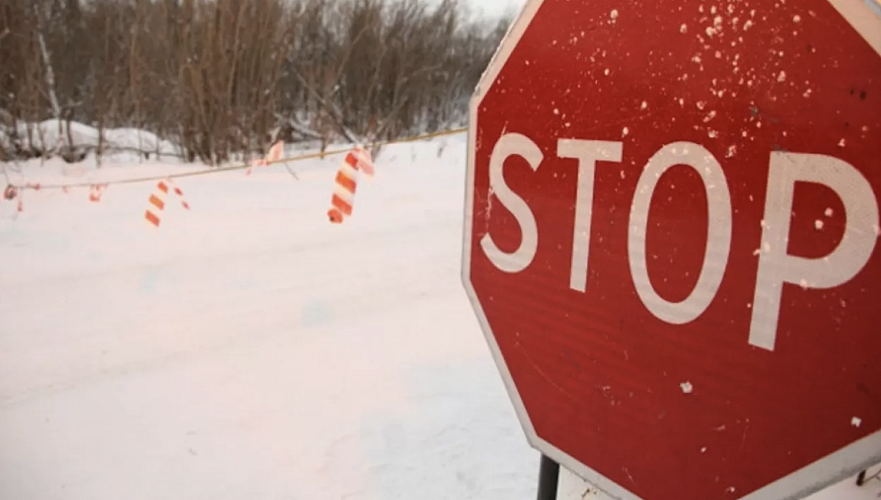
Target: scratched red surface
599,375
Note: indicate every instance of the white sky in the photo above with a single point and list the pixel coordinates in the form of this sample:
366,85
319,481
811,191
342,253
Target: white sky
496,7
493,8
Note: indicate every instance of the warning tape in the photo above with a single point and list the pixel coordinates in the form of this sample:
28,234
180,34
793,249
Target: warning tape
358,160
265,162
156,202
95,192
274,154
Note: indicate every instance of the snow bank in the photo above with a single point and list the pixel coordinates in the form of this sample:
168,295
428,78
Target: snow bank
52,135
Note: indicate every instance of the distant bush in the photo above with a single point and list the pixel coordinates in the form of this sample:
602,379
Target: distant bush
221,77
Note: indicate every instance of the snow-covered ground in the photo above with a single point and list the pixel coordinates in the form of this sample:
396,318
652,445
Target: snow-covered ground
248,349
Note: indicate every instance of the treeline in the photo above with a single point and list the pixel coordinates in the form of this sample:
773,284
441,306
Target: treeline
218,77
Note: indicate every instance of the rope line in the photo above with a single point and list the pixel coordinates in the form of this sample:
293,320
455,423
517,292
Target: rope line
197,173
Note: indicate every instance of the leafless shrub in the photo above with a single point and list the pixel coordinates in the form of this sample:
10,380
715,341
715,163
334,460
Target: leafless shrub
220,77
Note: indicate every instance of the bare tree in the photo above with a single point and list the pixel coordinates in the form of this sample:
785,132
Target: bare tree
221,77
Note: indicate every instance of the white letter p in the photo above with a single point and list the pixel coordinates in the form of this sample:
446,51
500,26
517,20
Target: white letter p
777,267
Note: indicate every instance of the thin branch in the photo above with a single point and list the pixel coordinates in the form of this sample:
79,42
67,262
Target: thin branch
50,76
332,110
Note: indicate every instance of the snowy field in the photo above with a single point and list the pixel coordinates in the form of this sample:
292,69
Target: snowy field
248,349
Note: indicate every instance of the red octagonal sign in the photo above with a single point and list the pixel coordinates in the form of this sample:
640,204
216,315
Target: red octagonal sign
671,240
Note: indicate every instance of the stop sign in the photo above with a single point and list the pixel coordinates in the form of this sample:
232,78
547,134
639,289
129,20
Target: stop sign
671,240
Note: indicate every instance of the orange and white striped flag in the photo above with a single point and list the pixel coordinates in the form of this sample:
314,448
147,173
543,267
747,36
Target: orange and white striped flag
273,155
96,191
156,202
358,160
11,192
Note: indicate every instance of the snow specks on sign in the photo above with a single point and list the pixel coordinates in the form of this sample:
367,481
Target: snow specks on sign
754,90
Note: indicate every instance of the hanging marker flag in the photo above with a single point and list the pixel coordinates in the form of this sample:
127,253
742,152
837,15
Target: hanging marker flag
156,202
10,193
96,191
273,155
358,160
